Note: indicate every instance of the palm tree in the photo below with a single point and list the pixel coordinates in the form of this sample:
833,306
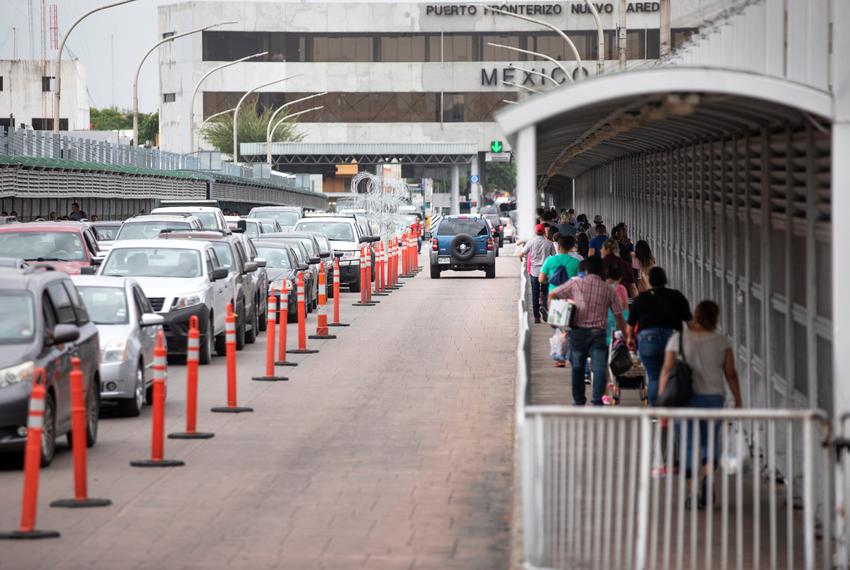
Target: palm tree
252,127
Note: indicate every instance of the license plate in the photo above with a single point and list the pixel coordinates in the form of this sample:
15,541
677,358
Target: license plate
444,261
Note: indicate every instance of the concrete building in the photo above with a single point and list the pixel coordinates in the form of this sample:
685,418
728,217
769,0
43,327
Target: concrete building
408,73
26,95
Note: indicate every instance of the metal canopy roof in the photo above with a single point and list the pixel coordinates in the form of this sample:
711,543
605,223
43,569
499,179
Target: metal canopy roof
592,122
363,153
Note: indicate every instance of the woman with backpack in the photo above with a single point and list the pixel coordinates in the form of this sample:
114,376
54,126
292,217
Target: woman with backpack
642,262
559,268
712,368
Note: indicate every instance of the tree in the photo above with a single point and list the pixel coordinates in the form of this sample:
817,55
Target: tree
501,176
148,127
252,127
112,119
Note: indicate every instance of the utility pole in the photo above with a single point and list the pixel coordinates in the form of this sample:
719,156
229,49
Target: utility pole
622,35
666,43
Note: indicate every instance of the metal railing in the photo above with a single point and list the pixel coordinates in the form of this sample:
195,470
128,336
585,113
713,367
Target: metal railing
46,144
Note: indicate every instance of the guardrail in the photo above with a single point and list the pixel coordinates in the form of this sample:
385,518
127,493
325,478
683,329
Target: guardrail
612,488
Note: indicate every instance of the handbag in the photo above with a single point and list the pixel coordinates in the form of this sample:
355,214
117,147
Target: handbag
621,359
562,313
680,382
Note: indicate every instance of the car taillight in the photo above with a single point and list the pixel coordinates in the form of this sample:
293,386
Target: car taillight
489,244
499,228
435,245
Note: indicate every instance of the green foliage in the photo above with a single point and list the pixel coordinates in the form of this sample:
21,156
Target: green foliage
112,119
252,127
501,176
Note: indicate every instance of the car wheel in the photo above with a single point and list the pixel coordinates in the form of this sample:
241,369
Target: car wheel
497,251
292,317
240,331
208,344
221,345
354,286
490,272
92,414
48,433
262,321
132,407
435,272
251,335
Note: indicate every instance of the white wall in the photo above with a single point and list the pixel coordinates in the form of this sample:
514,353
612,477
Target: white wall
22,95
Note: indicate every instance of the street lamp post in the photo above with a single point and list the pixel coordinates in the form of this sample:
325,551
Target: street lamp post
281,121
198,85
535,72
278,110
57,93
622,35
552,27
139,69
543,55
205,121
239,104
600,39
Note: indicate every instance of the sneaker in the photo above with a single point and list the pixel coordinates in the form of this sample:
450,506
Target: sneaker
536,320
560,364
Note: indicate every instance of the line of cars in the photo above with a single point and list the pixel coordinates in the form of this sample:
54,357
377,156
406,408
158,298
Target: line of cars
103,291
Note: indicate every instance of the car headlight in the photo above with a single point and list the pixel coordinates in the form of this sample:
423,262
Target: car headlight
15,374
189,300
114,351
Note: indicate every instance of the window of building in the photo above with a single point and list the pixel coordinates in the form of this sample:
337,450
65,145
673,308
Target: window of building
343,48
1,83
490,53
169,97
453,105
42,124
167,35
47,83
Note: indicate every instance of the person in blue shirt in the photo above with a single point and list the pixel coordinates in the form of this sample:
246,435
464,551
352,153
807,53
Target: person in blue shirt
595,246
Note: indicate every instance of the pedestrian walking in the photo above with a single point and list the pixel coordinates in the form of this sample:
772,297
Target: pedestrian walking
582,245
537,250
655,315
610,254
76,213
614,277
592,298
642,262
595,245
564,258
712,364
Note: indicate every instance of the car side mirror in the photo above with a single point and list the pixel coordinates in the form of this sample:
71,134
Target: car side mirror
65,333
241,226
373,239
314,260
249,267
339,254
88,270
96,260
364,239
303,267
260,262
219,273
152,319
325,255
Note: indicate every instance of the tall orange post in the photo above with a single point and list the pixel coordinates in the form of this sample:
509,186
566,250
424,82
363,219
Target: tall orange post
321,314
230,346
79,443
193,347
337,299
32,465
158,415
282,320
380,279
302,319
364,280
271,314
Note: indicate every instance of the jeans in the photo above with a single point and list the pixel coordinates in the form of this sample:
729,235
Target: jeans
651,344
584,343
701,401
419,245
539,292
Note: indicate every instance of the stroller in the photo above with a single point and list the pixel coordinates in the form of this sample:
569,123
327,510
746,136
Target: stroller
634,378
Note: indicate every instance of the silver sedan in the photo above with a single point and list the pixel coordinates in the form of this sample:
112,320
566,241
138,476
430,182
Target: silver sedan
128,326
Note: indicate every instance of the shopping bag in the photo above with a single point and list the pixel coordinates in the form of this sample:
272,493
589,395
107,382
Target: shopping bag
558,346
561,313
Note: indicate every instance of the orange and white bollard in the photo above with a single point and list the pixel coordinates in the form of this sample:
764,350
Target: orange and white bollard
193,347
271,316
32,465
282,320
380,262
337,300
322,332
230,345
369,275
78,444
302,320
158,415
364,281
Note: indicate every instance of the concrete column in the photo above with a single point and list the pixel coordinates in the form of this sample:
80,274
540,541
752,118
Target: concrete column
475,187
526,183
455,203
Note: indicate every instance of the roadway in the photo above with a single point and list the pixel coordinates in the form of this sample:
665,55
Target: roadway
390,448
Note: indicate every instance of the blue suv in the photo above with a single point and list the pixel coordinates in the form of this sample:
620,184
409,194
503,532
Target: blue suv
463,243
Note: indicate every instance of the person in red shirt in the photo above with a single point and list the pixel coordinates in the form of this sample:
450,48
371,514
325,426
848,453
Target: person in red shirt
611,254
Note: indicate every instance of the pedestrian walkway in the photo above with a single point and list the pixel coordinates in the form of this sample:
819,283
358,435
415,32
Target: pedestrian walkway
390,448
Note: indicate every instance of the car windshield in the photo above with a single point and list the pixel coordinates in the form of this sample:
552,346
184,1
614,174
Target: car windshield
153,262
149,230
106,305
252,230
275,257
42,246
454,226
222,251
284,217
18,323
310,246
336,231
106,233
268,227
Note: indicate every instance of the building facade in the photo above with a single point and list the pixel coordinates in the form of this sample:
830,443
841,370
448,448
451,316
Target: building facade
411,72
26,95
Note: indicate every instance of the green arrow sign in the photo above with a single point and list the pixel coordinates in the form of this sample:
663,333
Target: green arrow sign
496,146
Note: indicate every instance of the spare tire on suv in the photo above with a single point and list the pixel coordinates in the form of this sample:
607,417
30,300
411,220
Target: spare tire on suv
462,247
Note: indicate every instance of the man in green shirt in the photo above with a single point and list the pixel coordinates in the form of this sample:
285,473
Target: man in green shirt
566,257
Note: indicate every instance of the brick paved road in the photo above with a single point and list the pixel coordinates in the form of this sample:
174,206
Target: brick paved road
391,448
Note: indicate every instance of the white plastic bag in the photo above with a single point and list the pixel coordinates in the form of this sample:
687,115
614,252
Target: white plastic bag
558,346
560,313
734,452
